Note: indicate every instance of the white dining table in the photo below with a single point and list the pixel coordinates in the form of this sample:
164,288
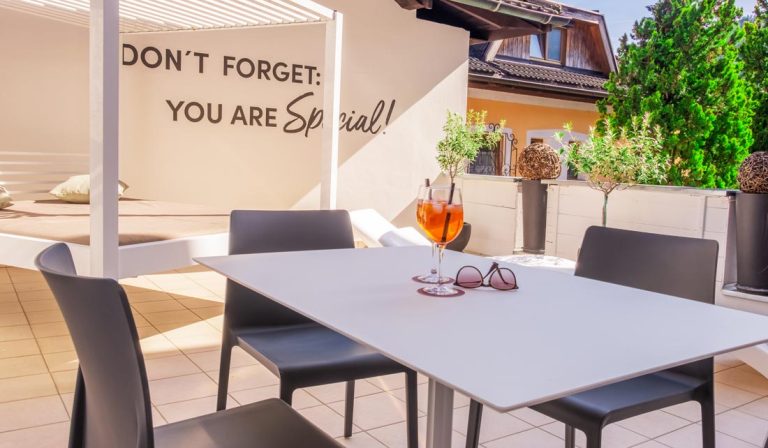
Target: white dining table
556,335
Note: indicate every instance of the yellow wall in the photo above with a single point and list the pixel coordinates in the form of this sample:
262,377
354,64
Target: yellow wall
522,118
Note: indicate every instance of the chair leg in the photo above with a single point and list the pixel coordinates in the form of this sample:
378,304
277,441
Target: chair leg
594,438
349,408
473,427
412,409
570,436
226,359
708,423
286,392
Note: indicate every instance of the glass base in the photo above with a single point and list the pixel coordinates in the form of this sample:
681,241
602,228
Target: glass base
432,279
440,291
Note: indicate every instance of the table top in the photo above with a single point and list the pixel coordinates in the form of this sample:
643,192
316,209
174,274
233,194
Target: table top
557,335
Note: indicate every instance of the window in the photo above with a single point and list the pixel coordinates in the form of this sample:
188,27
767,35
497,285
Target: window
548,46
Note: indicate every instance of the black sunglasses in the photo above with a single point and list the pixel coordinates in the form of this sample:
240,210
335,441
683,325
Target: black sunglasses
502,279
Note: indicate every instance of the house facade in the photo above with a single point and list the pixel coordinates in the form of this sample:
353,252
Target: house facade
540,81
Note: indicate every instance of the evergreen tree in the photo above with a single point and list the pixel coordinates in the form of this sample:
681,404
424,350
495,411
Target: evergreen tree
755,55
683,68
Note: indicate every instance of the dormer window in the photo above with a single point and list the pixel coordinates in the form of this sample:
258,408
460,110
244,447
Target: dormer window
548,46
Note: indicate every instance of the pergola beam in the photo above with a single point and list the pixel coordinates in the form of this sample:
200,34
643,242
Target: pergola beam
329,176
104,125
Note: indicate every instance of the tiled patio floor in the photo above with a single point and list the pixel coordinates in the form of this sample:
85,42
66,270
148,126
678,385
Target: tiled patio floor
179,317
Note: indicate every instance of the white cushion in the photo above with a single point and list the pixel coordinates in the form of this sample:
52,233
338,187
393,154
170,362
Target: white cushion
369,226
5,198
77,189
403,237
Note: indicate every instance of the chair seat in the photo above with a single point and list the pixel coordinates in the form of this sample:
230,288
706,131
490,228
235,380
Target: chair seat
266,424
310,354
623,400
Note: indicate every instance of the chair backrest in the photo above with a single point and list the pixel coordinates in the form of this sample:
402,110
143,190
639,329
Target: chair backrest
672,265
112,406
260,231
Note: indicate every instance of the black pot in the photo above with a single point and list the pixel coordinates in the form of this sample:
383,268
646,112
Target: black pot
752,243
461,241
534,216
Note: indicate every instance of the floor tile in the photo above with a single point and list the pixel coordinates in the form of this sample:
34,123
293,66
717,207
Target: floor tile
22,366
758,408
394,436
374,411
744,377
184,410
742,426
55,344
732,397
157,306
48,436
327,420
690,437
61,361
24,347
40,305
65,380
13,319
527,439
29,386
248,377
181,388
15,333
44,317
360,440
614,436
495,425
654,424
531,417
301,399
50,329
170,366
209,360
32,412
330,393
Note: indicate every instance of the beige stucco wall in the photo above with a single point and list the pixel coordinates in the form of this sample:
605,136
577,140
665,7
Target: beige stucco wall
43,85
387,55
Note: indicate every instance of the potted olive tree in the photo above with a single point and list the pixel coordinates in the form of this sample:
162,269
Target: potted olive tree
752,225
464,137
618,157
537,161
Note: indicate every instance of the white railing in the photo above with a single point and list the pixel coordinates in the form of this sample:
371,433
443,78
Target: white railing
30,175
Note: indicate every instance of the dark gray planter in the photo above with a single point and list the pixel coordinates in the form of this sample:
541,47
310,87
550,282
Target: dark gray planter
752,243
534,216
461,241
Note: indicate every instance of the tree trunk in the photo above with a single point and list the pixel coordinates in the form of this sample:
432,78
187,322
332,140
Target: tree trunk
605,209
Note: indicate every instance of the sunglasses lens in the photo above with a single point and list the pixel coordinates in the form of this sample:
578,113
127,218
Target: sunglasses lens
469,277
503,279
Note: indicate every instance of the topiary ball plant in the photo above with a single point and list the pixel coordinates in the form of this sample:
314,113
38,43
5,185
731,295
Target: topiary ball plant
539,161
753,173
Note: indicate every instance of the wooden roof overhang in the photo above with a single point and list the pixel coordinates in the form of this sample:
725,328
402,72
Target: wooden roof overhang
489,20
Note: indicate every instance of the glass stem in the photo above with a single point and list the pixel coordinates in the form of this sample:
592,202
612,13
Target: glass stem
434,259
440,249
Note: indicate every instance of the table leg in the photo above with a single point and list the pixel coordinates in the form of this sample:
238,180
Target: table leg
439,415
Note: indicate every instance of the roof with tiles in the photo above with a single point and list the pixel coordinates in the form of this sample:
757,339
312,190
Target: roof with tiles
526,71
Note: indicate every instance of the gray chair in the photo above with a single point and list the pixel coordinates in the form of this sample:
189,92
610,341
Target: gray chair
112,407
299,351
682,267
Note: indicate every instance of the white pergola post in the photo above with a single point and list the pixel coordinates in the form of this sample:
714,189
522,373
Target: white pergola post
104,124
331,103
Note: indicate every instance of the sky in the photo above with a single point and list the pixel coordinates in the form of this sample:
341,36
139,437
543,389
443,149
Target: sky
621,14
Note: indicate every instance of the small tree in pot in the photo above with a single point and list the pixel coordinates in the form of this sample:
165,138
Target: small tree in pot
464,137
618,158
752,225
537,161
